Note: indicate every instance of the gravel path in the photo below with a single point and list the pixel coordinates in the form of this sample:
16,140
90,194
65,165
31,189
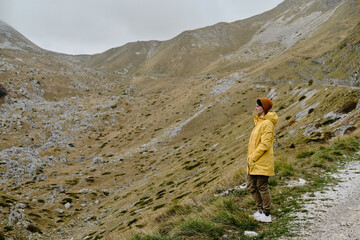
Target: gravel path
333,213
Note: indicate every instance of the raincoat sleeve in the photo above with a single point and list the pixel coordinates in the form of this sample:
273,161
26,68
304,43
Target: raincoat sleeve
266,140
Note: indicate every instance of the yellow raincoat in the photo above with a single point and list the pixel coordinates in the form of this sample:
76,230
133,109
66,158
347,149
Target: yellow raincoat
260,149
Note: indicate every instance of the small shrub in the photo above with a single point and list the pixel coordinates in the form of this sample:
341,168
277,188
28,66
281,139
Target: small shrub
8,228
281,107
349,130
170,183
132,222
320,163
348,107
160,194
305,154
159,206
328,135
144,201
72,182
273,181
283,168
66,200
90,179
291,123
327,155
3,91
192,166
104,144
330,121
34,229
34,215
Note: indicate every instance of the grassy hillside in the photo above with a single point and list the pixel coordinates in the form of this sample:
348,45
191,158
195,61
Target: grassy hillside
134,162
228,215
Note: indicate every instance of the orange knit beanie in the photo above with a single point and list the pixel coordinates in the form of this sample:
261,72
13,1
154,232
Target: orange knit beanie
266,104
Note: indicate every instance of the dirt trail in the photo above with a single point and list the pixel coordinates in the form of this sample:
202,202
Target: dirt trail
333,213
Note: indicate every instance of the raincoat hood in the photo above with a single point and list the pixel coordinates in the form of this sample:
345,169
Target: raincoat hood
272,116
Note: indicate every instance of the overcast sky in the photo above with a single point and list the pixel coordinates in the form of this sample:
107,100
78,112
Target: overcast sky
93,26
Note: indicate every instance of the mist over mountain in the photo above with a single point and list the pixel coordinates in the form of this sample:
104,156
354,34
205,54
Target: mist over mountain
101,146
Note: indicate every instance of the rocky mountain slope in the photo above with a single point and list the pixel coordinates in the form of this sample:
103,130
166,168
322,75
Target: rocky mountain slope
97,146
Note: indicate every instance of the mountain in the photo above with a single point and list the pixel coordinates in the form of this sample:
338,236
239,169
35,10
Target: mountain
102,146
225,47
12,39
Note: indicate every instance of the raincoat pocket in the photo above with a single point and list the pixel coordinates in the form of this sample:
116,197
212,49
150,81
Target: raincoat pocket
251,165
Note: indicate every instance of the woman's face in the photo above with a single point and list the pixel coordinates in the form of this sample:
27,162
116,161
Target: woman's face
259,110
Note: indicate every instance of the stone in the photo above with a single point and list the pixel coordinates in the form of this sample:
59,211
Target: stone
84,191
16,215
60,211
67,205
251,234
97,160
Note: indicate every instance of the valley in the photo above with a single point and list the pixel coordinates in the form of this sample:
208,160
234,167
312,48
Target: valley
102,146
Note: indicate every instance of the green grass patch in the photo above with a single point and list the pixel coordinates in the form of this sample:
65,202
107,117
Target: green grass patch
200,229
231,215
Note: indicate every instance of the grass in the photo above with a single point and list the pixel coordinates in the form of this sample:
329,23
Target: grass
284,168
230,214
153,237
213,217
200,229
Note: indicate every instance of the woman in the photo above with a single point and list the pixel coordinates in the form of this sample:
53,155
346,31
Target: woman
261,158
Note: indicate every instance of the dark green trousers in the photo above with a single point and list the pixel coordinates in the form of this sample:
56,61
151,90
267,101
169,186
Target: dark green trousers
258,185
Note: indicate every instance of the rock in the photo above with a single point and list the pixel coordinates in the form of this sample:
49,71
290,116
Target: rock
16,215
60,211
58,188
22,205
84,191
295,183
251,234
98,160
67,205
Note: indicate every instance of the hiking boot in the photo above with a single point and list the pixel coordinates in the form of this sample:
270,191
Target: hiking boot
264,218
